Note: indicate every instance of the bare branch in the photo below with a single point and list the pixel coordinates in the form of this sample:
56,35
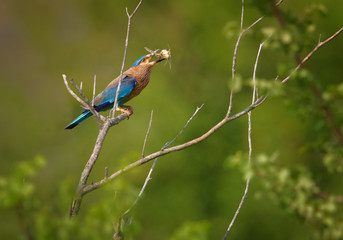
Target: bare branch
122,219
72,92
103,128
305,59
85,103
147,133
91,162
94,86
162,152
242,15
235,54
89,105
247,184
233,71
148,178
130,16
88,168
278,3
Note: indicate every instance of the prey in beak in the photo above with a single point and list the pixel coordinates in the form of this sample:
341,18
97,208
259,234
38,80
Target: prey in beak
162,55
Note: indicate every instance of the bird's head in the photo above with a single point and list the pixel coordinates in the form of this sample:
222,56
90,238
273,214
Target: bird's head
147,60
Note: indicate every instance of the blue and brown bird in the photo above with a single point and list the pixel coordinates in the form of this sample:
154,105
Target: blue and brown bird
133,81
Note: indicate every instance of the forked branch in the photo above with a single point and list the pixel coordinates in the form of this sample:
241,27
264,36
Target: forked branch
162,152
309,55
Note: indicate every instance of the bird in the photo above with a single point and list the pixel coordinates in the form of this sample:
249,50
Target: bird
133,81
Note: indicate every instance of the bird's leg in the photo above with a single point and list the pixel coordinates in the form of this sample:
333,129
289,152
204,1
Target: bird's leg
128,110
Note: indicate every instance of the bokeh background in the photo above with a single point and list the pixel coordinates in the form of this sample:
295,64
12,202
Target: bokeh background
41,40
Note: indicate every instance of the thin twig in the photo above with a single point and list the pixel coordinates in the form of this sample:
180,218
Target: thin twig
308,56
233,71
336,130
278,3
103,131
85,102
71,92
94,86
130,16
190,143
147,133
247,183
235,54
148,178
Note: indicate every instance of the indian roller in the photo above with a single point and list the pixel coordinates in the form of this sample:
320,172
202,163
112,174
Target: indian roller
133,81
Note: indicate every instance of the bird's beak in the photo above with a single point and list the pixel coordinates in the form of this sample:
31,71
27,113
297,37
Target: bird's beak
163,55
157,61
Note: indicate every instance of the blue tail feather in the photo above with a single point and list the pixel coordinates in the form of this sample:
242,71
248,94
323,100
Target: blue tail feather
80,119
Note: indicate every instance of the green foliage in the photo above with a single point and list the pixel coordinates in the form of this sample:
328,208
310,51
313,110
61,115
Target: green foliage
315,99
295,190
50,221
192,231
17,191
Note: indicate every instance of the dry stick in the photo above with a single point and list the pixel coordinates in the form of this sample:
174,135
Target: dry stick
148,178
147,133
249,113
247,184
91,162
192,142
102,133
230,104
72,92
83,188
235,54
334,129
130,16
233,71
94,86
85,102
279,3
319,44
317,93
75,207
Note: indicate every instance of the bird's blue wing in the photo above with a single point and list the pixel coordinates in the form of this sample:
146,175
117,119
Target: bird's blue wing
127,85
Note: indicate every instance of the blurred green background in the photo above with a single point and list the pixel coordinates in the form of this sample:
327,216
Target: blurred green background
41,40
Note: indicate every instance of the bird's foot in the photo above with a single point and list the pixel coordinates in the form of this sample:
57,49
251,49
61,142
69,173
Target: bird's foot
128,110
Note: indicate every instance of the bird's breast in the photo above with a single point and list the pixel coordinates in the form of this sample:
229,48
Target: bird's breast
142,80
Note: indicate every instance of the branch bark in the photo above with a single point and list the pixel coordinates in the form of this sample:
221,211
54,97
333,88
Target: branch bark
162,152
309,55
75,207
129,16
108,122
336,130
83,188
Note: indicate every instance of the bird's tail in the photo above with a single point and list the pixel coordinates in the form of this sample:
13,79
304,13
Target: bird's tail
80,119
